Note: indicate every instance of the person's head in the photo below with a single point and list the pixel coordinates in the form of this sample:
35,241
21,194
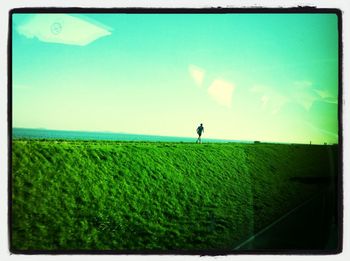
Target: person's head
201,124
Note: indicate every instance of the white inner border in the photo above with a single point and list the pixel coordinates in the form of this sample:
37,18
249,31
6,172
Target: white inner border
6,5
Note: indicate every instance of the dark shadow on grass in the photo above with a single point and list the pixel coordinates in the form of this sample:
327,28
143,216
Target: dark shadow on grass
311,180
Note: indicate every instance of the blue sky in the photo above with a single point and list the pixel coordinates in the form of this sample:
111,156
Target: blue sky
269,77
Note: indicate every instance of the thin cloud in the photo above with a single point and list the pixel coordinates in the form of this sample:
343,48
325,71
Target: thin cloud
304,94
221,91
271,100
326,96
197,74
61,28
331,100
322,93
305,99
258,88
264,100
278,101
301,93
302,84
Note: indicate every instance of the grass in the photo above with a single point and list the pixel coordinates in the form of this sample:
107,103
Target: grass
98,195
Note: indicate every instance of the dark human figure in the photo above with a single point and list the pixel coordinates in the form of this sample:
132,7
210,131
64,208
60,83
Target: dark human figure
200,130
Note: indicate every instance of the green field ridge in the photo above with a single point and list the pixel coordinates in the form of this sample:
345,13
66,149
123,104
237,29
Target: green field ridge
99,195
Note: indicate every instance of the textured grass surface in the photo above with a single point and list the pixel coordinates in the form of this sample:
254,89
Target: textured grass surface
154,196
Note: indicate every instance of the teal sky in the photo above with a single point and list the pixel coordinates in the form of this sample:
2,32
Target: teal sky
268,77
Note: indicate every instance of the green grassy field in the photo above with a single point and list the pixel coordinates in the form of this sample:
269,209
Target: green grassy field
97,195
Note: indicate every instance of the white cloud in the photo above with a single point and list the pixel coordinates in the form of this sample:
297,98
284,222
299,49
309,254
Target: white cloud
221,91
61,28
271,100
197,74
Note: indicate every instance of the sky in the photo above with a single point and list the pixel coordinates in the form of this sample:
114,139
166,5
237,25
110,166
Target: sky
266,77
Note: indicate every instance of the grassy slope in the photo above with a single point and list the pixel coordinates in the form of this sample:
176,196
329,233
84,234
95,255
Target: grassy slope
138,196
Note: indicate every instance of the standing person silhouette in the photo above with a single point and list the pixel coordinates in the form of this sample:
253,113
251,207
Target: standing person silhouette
200,130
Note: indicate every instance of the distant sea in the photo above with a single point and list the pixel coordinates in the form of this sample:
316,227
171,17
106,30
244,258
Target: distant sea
23,133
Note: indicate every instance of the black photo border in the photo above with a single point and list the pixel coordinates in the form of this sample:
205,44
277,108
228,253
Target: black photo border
213,10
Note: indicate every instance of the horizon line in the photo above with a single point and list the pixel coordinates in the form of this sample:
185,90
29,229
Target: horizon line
187,137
